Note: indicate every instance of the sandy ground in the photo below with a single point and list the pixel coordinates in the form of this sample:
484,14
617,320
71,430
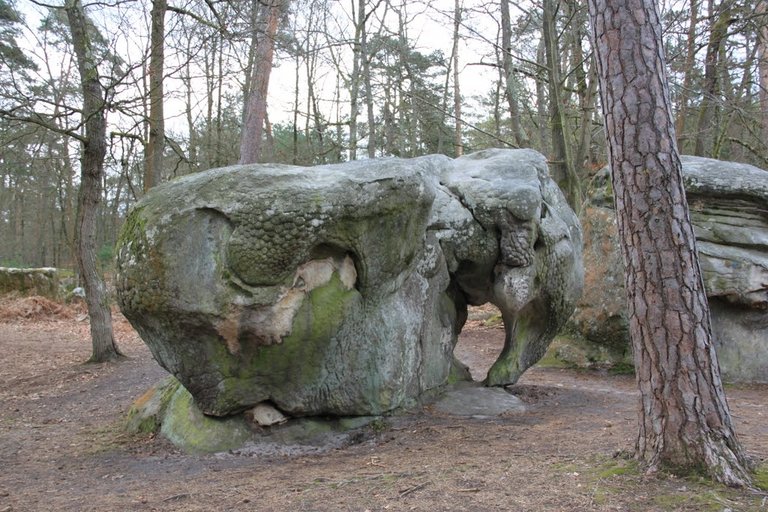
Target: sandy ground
62,446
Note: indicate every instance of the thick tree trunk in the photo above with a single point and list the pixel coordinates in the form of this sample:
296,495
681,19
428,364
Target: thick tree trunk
685,423
256,107
89,197
153,162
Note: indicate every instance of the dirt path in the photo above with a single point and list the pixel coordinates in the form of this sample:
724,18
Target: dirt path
61,446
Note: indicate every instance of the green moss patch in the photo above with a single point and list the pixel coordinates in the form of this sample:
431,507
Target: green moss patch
192,431
761,476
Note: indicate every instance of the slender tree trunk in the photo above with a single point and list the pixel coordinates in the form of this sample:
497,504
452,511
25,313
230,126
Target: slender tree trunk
586,85
256,108
721,19
541,100
684,419
153,162
193,139
219,159
91,175
562,166
354,80
521,138
762,66
690,58
458,143
372,136
373,133
297,74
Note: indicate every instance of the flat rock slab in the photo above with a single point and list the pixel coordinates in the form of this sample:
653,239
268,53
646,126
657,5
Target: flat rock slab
479,401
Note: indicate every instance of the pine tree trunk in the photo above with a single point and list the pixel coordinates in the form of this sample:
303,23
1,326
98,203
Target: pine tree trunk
89,197
685,423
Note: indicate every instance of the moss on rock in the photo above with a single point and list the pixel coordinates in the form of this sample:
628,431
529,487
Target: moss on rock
194,432
146,413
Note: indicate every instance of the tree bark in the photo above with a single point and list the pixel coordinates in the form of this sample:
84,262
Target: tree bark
94,148
153,161
256,108
684,419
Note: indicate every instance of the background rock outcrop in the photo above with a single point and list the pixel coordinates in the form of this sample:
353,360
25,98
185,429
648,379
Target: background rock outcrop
31,281
729,209
340,290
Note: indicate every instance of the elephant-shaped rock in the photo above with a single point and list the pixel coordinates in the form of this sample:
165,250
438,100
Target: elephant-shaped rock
341,289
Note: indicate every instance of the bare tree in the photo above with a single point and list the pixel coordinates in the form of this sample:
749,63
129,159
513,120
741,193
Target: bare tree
94,149
562,165
684,418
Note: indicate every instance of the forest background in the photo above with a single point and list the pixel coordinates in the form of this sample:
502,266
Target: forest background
351,79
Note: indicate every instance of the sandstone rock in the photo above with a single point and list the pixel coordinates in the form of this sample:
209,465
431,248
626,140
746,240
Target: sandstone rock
265,415
479,402
729,210
341,289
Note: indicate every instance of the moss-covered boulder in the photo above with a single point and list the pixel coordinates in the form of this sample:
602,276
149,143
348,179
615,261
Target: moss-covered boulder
31,281
340,290
729,210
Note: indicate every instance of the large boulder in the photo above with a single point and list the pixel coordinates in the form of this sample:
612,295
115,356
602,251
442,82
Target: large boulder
340,290
729,210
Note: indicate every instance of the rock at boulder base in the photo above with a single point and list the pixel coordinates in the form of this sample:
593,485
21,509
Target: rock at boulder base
479,402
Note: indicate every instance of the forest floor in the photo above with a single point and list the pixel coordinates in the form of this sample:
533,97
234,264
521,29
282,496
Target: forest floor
62,446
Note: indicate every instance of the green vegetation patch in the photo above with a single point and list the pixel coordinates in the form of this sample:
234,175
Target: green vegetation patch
761,476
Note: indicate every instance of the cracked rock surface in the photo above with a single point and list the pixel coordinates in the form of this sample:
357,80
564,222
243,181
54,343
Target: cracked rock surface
340,290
